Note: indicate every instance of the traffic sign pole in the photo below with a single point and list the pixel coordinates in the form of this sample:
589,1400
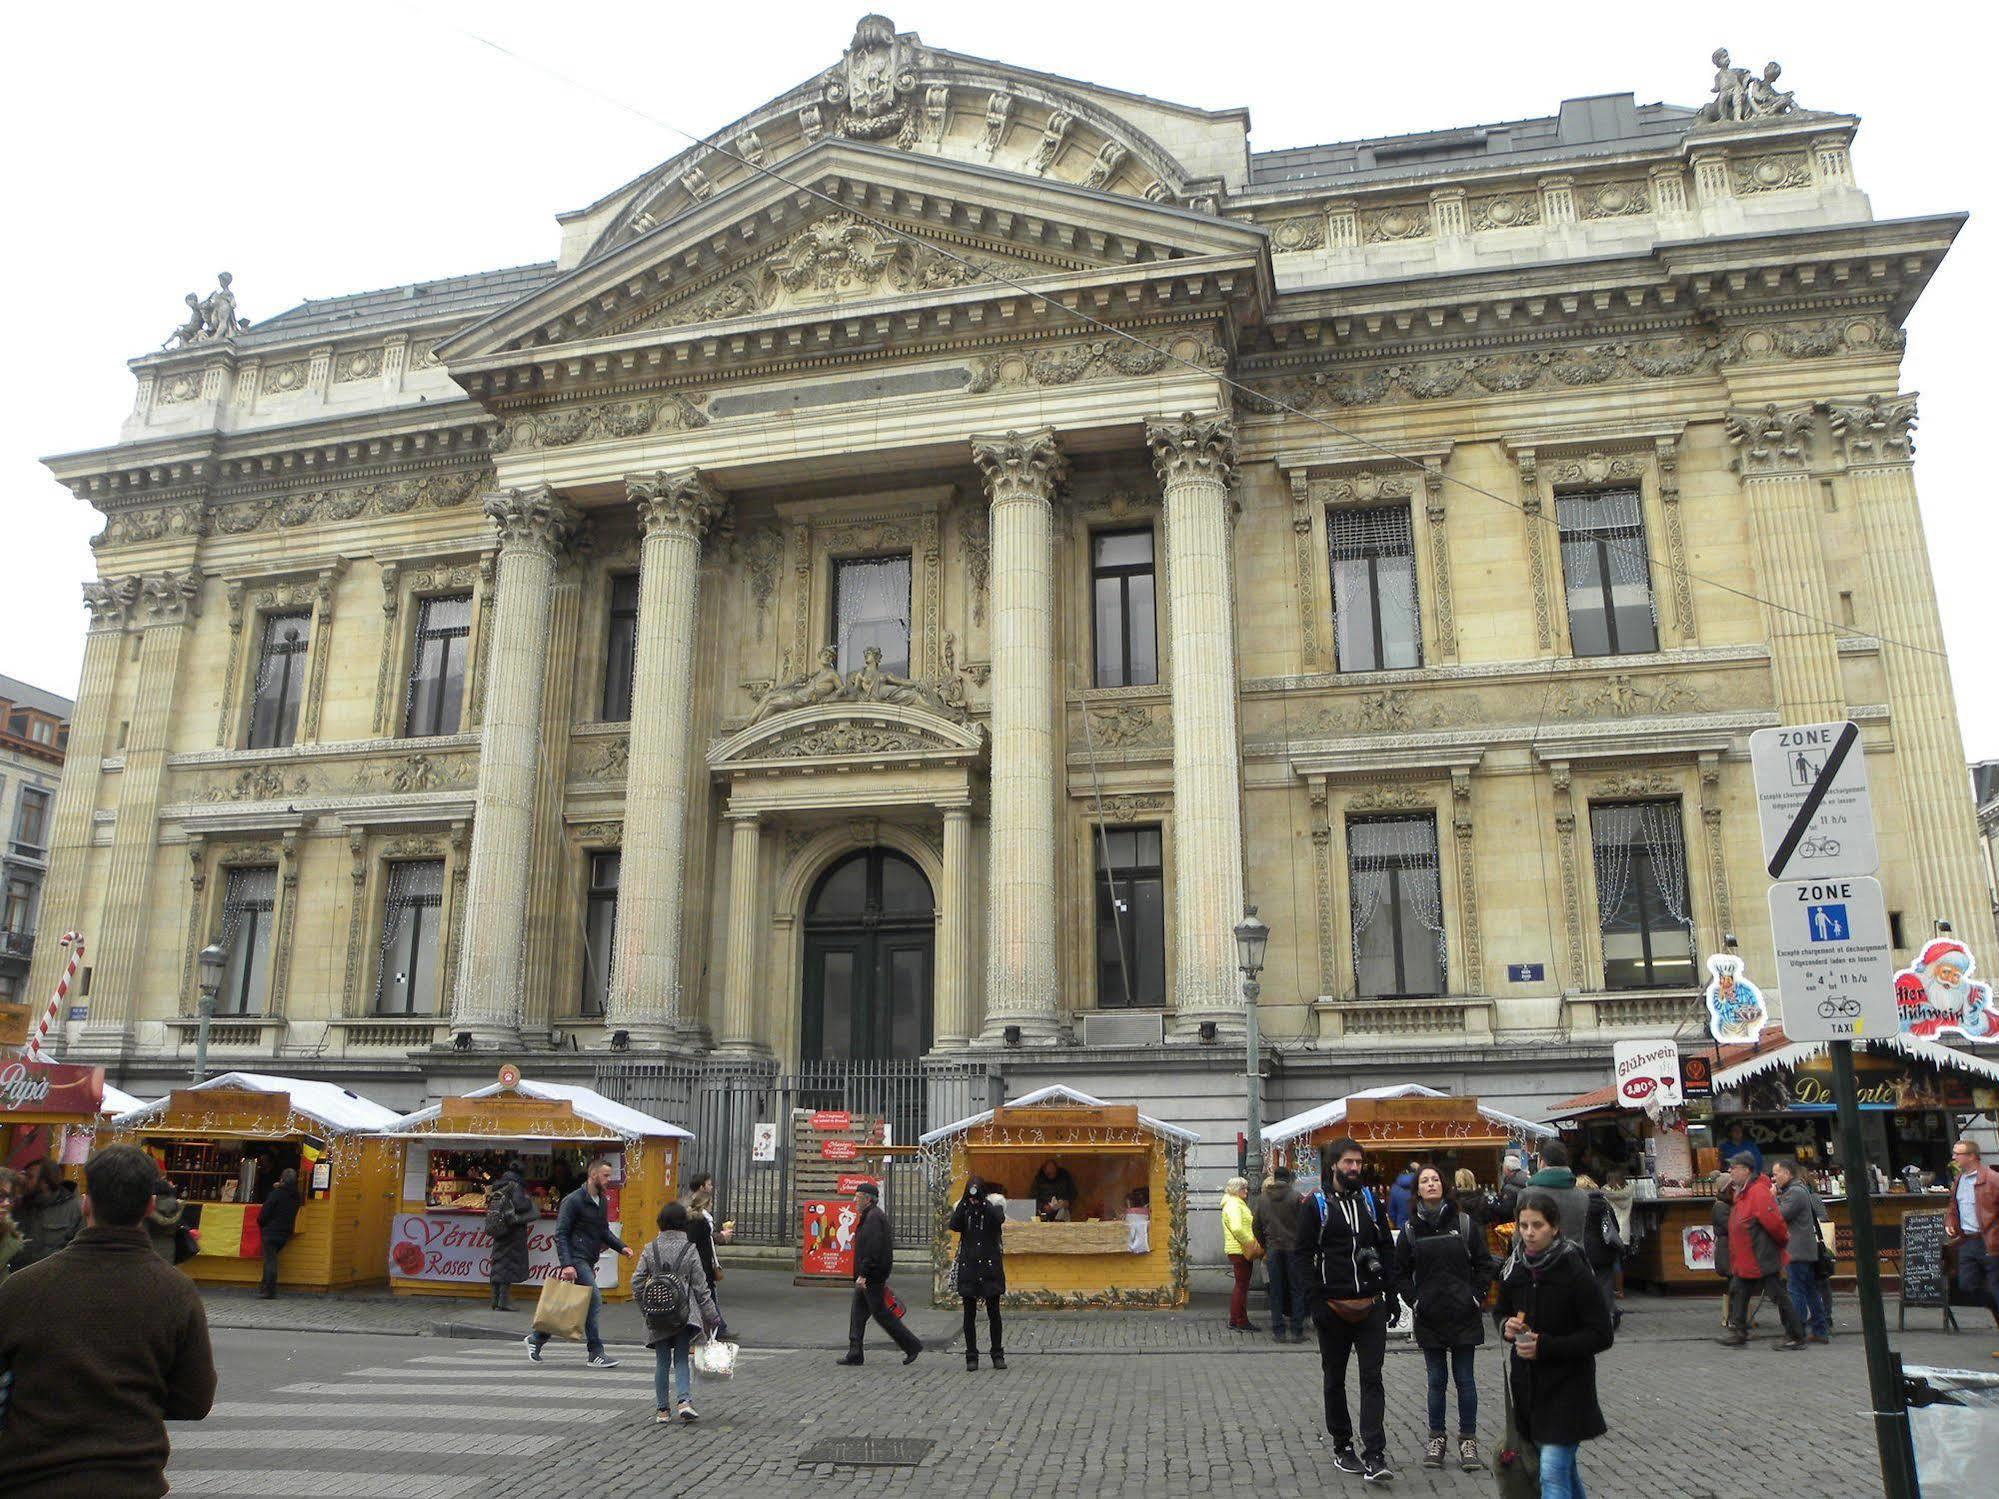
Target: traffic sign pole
1891,1410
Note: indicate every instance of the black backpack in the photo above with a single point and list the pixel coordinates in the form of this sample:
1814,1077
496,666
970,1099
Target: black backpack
662,1295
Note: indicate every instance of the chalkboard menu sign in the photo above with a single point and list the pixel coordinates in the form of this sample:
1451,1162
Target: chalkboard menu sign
1923,1282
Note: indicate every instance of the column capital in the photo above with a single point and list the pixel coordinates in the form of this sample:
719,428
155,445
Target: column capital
1875,429
170,598
1021,465
110,601
683,502
532,516
1193,447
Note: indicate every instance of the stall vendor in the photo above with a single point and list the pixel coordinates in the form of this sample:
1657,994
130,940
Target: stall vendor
1054,1193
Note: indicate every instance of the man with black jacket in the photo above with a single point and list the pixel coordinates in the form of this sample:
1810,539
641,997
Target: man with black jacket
874,1257
277,1219
582,1234
1344,1249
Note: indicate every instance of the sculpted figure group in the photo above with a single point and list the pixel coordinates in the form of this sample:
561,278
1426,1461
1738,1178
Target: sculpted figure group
1739,97
209,318
870,683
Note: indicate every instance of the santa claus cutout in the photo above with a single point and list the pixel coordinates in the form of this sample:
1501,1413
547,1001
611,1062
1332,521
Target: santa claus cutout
1936,994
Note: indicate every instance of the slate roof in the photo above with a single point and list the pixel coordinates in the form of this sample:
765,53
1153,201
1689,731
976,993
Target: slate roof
24,695
1594,126
453,297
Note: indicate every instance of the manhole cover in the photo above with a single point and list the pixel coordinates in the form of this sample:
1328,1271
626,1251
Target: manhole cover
867,1452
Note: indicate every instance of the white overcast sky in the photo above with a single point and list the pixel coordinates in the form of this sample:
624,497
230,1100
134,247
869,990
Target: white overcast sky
320,149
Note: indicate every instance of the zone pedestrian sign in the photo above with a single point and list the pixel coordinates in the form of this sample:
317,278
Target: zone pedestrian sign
1835,969
1811,799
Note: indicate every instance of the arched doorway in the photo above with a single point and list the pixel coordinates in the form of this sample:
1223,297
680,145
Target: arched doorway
870,927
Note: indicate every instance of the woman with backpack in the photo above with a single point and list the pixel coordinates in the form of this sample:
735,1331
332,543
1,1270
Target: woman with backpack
1442,1269
1554,1317
672,1290
509,1211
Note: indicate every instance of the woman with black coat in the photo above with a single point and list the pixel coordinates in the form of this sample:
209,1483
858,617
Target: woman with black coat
1553,1314
1442,1269
509,1212
978,1220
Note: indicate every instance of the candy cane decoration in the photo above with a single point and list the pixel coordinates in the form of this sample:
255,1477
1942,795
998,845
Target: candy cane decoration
74,942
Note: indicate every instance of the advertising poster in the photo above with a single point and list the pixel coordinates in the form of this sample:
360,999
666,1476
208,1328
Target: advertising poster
826,1238
456,1247
1936,996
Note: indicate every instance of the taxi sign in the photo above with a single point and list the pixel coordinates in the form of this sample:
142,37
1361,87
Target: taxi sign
1835,969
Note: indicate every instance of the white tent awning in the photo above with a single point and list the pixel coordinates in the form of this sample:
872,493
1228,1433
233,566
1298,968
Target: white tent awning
625,1122
1056,1094
1298,1125
340,1110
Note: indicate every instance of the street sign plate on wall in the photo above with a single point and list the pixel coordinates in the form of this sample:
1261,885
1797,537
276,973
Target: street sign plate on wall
1811,801
1835,969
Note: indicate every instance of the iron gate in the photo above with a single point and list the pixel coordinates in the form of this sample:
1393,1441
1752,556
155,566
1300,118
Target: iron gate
722,1102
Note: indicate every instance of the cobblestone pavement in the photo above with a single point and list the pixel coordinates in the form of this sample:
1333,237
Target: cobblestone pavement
1164,1405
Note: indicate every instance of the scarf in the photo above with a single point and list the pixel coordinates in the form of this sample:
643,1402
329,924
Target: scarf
1537,1264
1431,1213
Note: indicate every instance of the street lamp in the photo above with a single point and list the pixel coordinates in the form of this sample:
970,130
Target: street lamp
211,959
1251,938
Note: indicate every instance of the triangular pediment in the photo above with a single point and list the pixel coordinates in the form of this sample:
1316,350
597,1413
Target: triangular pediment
852,226
875,732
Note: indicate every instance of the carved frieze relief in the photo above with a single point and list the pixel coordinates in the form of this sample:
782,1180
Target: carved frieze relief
602,421
349,502
129,527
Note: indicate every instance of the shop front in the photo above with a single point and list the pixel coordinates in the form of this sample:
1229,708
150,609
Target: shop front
48,1110
449,1155
1096,1199
224,1143
1915,1097
1402,1125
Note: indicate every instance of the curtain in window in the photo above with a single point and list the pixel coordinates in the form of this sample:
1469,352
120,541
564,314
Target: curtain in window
1374,849
1620,830
1374,588
871,607
412,887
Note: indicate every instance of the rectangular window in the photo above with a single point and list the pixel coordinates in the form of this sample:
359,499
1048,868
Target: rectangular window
1375,623
1398,906
1605,569
600,932
280,684
1641,895
621,650
248,900
412,912
871,607
1121,583
19,914
436,697
31,818
1131,918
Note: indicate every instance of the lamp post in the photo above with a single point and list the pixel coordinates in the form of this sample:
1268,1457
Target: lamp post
210,961
1251,937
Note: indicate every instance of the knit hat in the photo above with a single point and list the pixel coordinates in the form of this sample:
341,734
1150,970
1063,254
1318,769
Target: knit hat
1743,1159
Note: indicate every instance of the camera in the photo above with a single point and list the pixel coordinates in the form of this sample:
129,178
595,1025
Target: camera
1370,1265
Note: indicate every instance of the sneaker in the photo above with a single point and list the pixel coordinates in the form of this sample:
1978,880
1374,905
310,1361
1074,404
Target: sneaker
1433,1450
534,1348
600,1361
1347,1460
1376,1471
665,1418
1468,1458
1790,1345
687,1412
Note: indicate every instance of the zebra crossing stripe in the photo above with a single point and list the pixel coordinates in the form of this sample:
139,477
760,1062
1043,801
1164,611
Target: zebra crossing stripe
470,1387
398,1410
192,1439
319,1484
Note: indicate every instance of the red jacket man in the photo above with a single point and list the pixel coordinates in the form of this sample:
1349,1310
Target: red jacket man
1750,1254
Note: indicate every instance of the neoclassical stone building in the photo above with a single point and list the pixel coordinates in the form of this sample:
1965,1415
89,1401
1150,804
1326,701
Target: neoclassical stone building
913,566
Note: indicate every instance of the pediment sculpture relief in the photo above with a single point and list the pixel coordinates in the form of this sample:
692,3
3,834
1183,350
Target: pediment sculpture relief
838,258
871,682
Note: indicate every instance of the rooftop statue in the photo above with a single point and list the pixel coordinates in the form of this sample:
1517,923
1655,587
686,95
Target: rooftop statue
1739,98
209,318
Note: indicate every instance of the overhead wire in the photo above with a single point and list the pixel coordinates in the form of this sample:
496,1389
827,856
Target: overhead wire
993,275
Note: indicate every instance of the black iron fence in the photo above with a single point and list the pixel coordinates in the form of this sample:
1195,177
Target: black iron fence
723,1101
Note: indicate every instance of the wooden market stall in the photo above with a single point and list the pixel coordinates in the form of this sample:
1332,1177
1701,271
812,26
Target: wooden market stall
1125,1244
1914,1095
448,1154
48,1110
224,1142
1400,1124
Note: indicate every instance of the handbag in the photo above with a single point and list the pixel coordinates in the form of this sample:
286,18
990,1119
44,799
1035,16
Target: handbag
561,1310
1517,1464
713,1359
893,1303
1252,1251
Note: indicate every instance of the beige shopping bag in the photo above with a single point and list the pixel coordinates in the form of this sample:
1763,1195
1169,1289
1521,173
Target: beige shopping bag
563,1306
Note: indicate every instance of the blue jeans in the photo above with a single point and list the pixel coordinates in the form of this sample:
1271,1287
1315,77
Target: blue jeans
672,1354
1559,1478
586,1275
1445,1365
1287,1291
1808,1297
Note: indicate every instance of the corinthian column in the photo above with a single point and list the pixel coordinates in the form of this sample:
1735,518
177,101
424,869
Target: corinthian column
1901,596
534,524
1195,457
1022,471
675,509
